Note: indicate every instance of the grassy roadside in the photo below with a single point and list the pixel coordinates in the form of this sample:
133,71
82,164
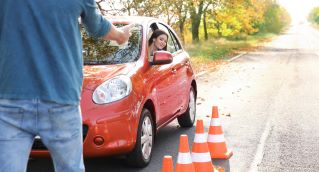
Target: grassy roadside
315,25
209,54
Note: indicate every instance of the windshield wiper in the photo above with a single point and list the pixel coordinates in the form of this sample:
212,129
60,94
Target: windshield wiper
93,63
100,62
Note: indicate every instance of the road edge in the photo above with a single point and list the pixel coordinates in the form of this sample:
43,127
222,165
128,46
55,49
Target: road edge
229,60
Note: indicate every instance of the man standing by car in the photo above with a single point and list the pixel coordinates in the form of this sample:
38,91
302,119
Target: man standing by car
41,78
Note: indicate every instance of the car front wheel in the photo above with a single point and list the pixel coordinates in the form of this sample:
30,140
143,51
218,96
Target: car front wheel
142,152
187,119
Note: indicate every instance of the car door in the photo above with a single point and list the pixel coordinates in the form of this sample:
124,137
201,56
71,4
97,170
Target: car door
178,70
163,81
180,67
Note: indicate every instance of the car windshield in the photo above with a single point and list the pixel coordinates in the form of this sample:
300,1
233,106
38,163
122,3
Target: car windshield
104,52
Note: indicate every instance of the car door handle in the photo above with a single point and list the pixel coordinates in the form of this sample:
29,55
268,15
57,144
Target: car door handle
185,63
174,71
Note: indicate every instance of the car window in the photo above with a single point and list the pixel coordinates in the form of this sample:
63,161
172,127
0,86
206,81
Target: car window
175,41
170,44
104,52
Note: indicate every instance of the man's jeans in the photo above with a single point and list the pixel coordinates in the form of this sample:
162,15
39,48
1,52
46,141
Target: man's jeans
59,126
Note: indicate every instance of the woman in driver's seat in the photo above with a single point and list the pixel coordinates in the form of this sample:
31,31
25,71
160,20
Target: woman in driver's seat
157,42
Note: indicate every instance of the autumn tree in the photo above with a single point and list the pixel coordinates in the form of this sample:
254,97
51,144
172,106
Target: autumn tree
210,12
225,18
207,5
181,10
196,11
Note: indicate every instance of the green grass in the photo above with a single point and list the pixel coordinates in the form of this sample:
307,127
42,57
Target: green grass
208,54
315,25
222,48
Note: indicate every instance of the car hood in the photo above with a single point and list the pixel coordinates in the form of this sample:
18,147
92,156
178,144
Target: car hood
94,75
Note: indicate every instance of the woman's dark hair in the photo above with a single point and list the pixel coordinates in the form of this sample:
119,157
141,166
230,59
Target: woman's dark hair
156,34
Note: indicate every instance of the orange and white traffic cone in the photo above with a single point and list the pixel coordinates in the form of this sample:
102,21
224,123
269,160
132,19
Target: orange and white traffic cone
184,160
200,152
167,165
216,140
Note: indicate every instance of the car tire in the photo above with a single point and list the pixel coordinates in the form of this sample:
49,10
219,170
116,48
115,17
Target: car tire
188,118
142,152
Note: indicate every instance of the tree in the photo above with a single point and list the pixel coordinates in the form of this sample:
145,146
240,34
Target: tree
237,18
181,9
196,11
227,18
314,15
216,7
206,6
276,18
210,10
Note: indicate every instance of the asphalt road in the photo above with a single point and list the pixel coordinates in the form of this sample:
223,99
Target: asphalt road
268,103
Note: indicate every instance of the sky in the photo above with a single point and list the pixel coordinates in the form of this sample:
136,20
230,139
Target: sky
299,9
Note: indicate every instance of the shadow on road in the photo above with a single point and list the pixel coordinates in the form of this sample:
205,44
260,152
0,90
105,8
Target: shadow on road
166,143
222,163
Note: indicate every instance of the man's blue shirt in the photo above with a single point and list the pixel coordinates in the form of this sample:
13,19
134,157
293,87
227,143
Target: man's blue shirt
41,48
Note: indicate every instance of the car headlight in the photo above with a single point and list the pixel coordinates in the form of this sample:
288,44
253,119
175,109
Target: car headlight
112,90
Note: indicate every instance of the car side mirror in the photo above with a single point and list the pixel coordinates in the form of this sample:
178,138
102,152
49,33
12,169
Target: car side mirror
162,57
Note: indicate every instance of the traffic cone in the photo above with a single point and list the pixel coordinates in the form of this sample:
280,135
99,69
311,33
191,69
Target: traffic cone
167,165
200,152
216,140
184,160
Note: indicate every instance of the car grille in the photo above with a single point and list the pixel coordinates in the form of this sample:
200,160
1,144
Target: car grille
38,144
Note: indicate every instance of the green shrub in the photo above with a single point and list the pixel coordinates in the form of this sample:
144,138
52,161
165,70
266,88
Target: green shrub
276,19
314,15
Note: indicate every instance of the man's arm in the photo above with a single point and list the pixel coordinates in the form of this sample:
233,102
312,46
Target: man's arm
97,26
120,35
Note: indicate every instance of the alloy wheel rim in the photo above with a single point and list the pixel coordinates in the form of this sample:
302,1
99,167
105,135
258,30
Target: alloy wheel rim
147,137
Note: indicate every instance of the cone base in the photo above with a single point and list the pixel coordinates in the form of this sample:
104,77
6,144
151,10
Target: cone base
204,166
185,168
226,155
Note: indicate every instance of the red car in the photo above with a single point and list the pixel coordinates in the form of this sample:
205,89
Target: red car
127,97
